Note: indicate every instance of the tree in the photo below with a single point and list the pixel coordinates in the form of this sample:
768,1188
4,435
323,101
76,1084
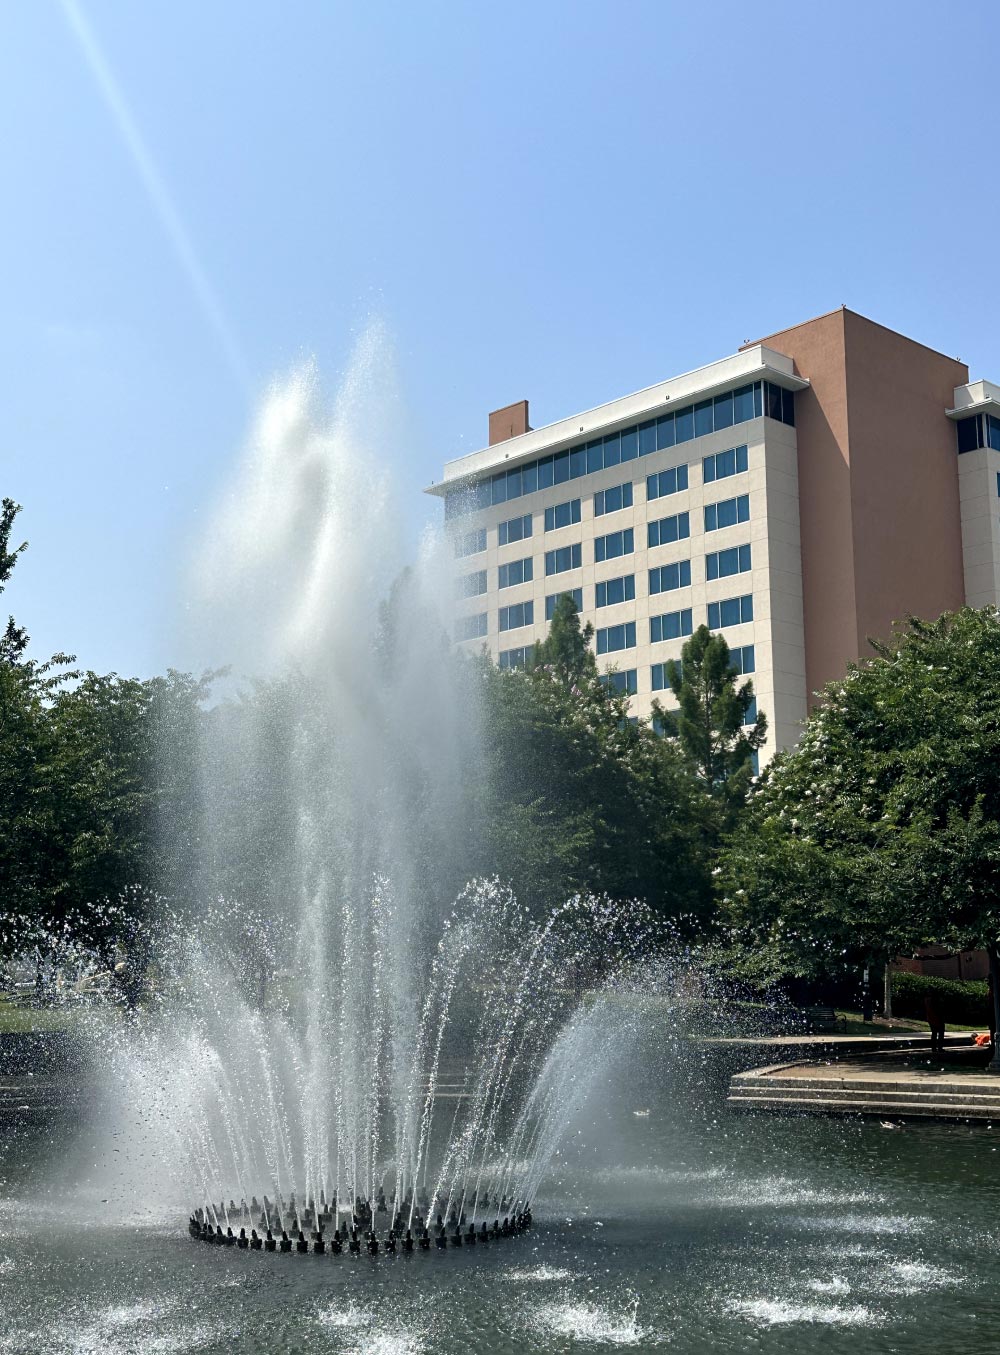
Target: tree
710,721
566,649
880,831
14,640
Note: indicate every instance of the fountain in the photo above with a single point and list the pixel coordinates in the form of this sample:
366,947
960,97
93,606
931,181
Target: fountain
327,1020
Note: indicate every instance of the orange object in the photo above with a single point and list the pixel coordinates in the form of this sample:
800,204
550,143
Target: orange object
982,1040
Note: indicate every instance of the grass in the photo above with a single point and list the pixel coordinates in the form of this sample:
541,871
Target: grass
19,1018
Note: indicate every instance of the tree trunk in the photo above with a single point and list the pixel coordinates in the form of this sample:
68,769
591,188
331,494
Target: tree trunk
867,1005
887,1003
994,954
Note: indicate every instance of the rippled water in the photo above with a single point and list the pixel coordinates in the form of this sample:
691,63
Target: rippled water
720,1234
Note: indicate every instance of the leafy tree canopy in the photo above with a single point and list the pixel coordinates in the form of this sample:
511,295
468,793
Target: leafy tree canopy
880,831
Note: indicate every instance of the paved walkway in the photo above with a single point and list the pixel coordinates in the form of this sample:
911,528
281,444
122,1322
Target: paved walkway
891,1085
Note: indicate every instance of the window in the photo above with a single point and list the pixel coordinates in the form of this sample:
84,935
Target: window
514,529
727,513
723,464
611,500
470,544
730,612
653,435
993,432
566,557
750,718
741,659
471,585
616,637
562,515
664,531
625,684
550,602
721,563
665,578
518,571
670,481
616,590
470,627
658,677
515,658
613,545
518,614
670,626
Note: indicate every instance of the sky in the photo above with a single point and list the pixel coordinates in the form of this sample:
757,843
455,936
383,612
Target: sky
560,201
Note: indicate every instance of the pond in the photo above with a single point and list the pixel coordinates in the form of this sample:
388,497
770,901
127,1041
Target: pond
679,1228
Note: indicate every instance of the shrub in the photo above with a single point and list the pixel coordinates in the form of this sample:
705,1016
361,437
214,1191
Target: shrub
961,1001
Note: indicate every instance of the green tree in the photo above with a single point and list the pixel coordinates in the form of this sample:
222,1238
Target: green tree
710,721
566,651
14,640
880,831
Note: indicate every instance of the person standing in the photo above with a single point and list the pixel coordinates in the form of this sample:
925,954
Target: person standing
935,1019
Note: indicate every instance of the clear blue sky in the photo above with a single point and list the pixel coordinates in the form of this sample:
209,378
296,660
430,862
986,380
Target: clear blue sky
561,201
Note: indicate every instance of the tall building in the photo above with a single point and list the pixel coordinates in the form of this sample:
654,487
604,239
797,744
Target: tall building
799,496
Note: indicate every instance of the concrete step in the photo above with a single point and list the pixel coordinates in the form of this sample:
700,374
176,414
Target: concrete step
863,1092
925,1109
951,1086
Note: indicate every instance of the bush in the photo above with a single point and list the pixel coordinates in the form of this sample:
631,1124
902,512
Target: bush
961,1001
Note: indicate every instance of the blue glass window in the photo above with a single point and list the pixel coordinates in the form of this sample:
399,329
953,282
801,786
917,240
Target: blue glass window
612,638
517,571
723,464
471,585
514,529
517,615
614,544
470,627
721,563
471,543
993,432
515,658
703,420
670,626
562,515
566,557
668,430
742,404
727,513
550,602
658,677
611,591
723,411
730,612
625,684
742,659
665,530
613,499
665,578
670,481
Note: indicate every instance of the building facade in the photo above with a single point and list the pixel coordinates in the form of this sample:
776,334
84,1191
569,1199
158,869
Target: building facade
799,496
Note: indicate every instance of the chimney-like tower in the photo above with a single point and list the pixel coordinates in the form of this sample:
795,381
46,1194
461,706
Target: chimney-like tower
509,422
